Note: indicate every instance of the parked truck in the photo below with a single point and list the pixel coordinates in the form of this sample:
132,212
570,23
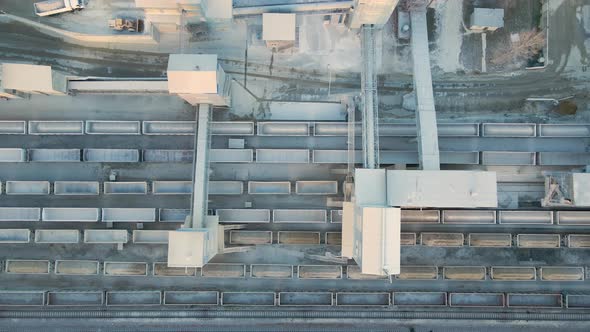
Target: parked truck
52,7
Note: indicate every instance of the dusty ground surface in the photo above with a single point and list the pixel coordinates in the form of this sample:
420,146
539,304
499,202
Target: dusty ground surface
331,56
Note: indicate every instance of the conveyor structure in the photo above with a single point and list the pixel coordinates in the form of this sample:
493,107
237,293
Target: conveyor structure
196,243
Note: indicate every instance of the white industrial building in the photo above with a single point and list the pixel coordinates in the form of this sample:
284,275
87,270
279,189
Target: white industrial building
198,79
7,93
279,30
371,230
32,79
190,248
371,221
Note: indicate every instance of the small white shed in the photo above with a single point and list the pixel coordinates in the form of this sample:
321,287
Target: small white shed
198,78
32,79
279,30
278,27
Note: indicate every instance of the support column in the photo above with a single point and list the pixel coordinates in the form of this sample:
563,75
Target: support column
201,168
425,112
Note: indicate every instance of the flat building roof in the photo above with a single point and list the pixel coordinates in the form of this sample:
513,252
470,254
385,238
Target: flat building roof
25,77
192,73
187,248
278,27
460,189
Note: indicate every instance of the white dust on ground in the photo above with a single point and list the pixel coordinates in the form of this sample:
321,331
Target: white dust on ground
93,19
396,53
449,37
244,103
322,45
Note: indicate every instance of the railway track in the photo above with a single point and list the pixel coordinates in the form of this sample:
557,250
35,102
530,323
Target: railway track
51,240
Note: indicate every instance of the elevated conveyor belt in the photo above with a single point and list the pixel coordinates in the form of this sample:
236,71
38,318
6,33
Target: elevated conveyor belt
425,113
370,102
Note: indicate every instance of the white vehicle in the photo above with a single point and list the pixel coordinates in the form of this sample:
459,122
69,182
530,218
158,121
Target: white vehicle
52,7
